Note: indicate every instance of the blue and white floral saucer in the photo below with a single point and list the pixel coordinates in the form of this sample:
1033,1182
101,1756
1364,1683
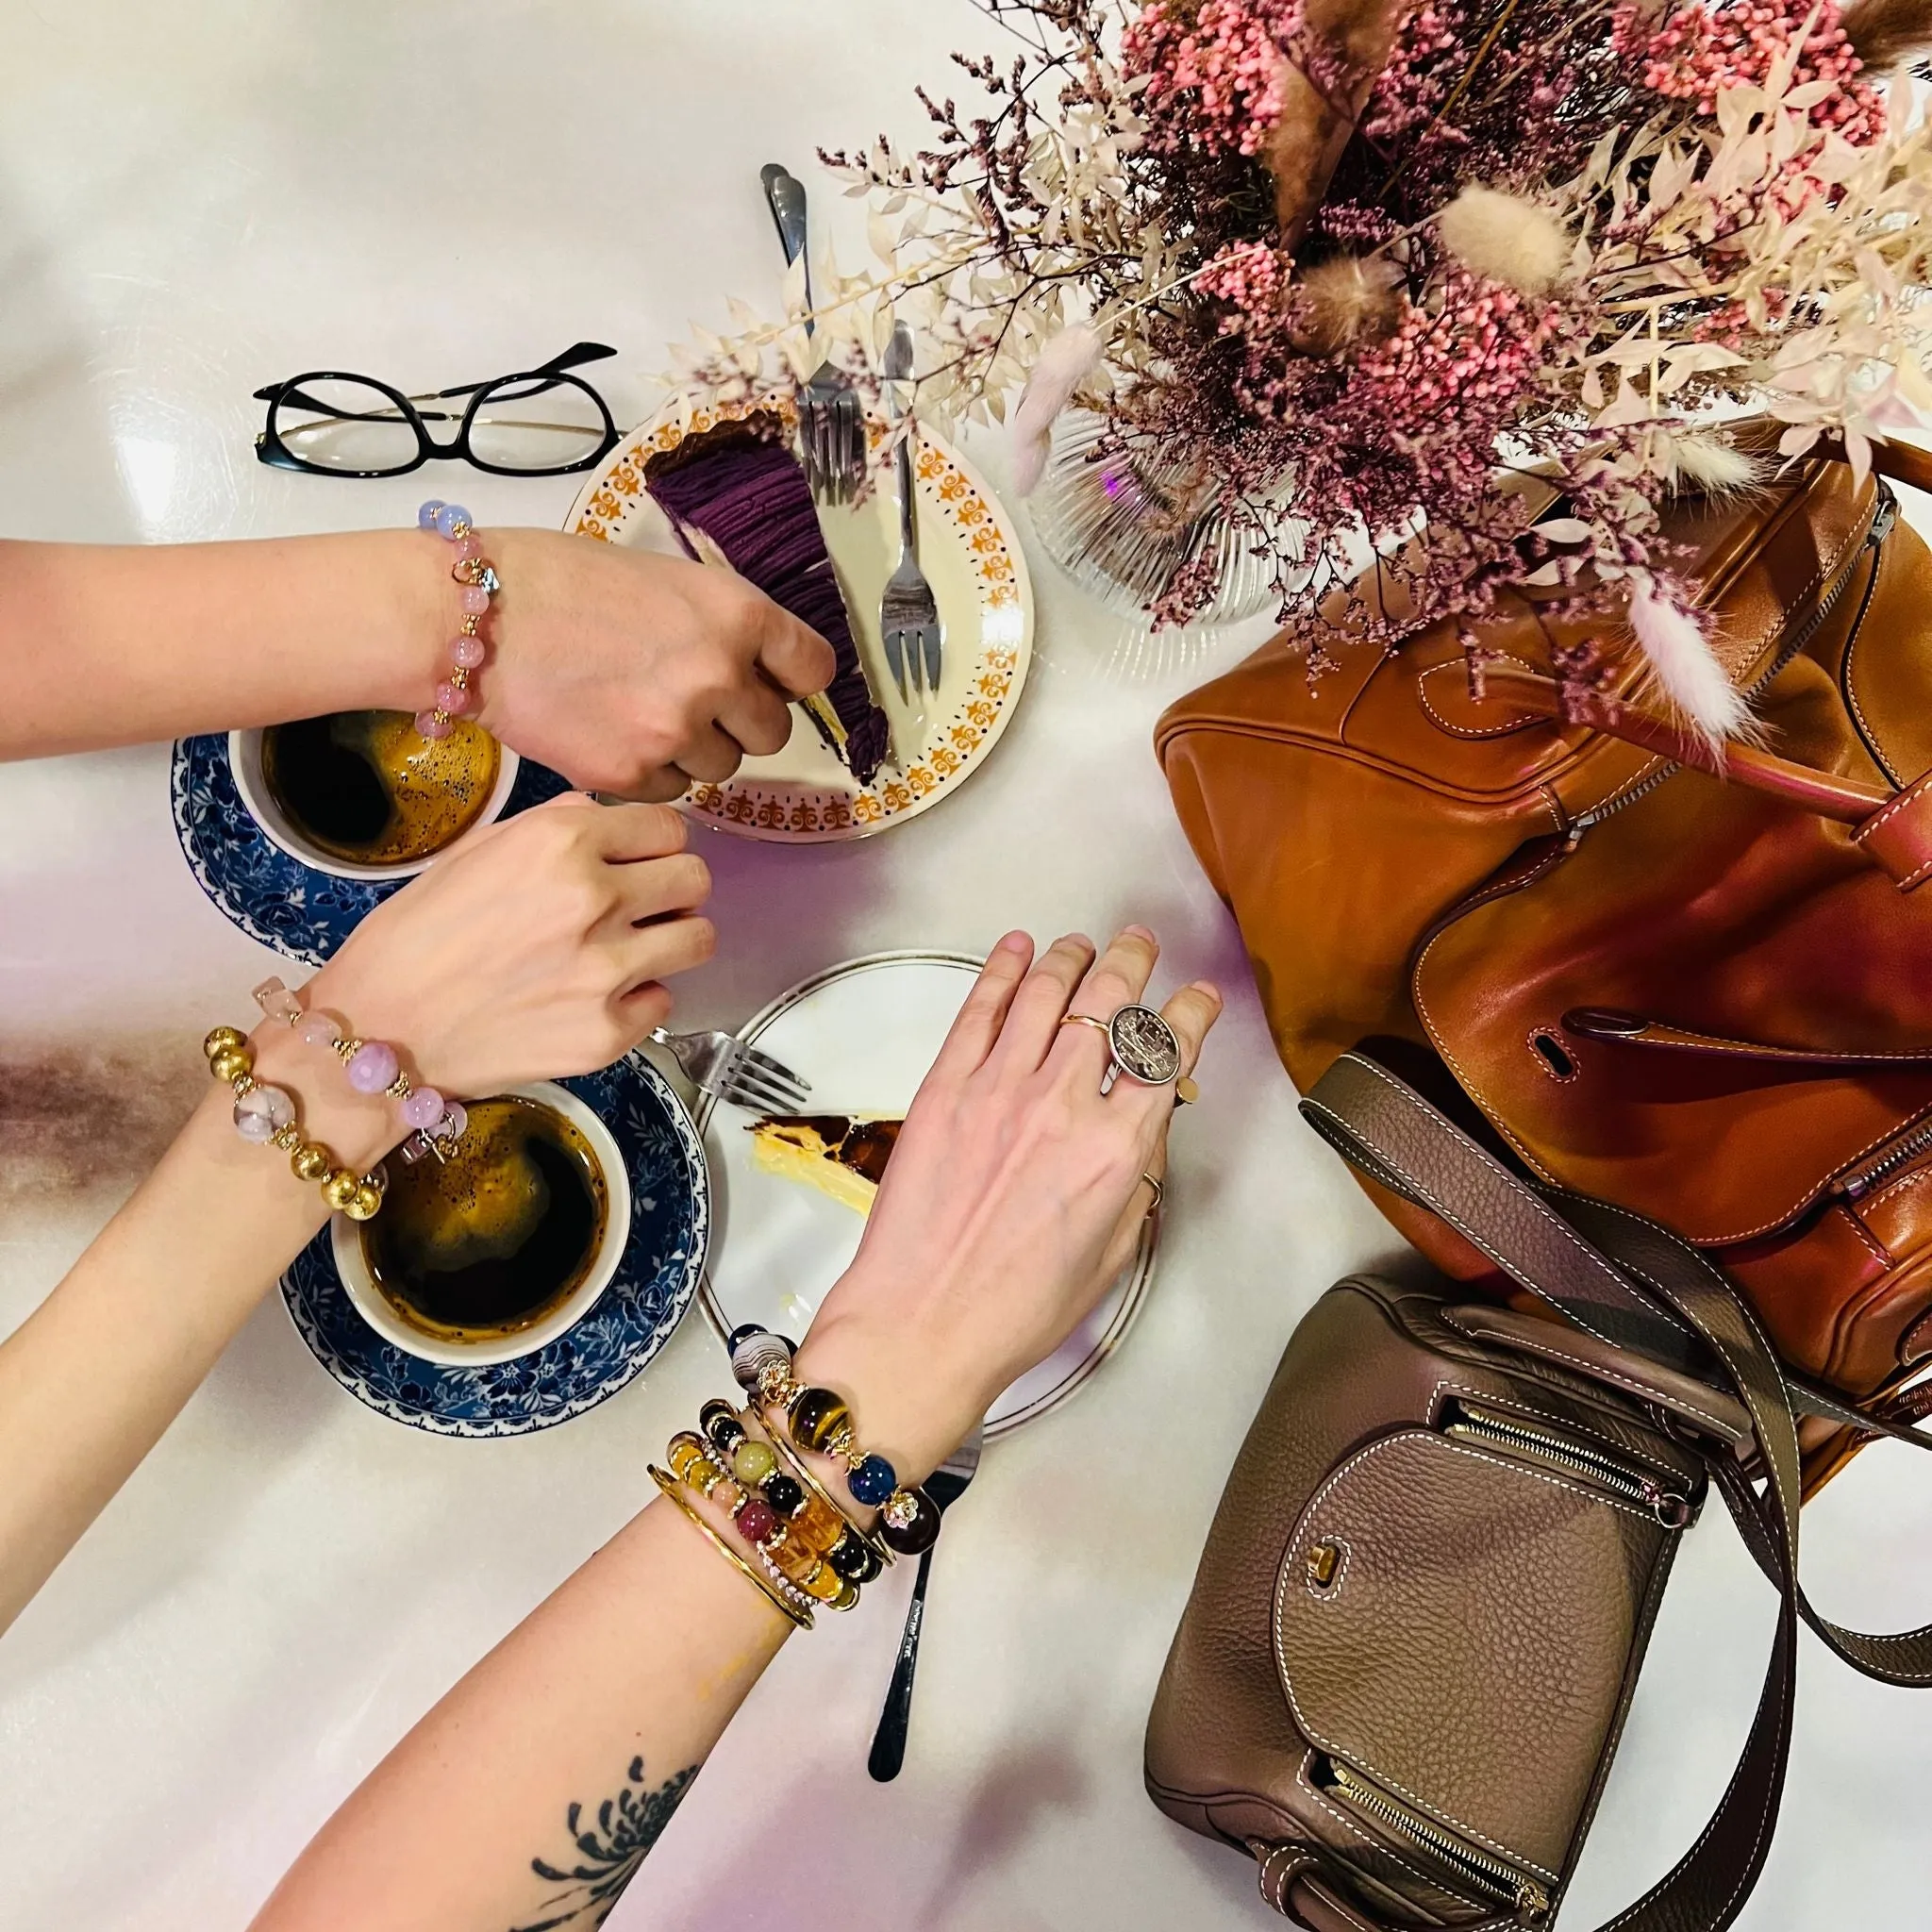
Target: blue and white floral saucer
304,914
670,1229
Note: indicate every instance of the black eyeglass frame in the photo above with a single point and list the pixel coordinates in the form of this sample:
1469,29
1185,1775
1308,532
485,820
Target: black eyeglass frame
271,449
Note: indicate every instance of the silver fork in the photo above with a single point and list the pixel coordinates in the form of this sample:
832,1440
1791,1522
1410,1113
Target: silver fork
831,422
945,1486
909,614
739,1074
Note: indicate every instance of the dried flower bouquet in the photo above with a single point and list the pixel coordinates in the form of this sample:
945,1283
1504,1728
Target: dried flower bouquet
1376,255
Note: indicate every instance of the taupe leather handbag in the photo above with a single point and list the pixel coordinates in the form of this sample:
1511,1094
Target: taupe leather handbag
1427,1594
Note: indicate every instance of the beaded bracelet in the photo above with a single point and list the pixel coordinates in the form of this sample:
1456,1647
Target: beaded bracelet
751,1349
797,1550
479,577
701,1473
265,1116
373,1067
819,1422
756,1464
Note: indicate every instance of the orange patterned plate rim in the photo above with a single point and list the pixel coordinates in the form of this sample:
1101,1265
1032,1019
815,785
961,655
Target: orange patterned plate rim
786,811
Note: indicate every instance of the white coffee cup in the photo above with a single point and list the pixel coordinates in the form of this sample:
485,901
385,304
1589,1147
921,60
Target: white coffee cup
345,1241
245,763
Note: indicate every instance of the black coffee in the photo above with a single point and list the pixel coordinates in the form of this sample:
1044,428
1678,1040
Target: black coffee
368,787
498,1237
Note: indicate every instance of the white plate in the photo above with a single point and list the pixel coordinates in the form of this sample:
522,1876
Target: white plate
863,1034
971,554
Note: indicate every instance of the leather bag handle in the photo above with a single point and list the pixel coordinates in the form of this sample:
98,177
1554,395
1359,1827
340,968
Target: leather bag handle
1554,1245
1892,828
1560,1245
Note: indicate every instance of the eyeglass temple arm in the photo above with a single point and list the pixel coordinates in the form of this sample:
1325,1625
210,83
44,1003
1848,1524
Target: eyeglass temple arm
571,358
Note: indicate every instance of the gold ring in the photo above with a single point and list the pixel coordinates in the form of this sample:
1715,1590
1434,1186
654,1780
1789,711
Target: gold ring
1185,1092
1153,1181
1087,1020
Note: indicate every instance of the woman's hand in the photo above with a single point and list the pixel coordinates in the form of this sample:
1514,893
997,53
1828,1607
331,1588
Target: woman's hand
534,950
1014,1196
634,673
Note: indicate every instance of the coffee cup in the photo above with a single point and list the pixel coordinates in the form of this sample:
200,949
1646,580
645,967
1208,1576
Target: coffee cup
363,795
502,1247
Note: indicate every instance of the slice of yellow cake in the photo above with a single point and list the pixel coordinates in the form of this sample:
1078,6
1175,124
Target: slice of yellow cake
841,1154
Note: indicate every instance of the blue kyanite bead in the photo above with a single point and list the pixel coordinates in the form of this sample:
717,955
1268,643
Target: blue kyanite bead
426,516
451,517
873,1481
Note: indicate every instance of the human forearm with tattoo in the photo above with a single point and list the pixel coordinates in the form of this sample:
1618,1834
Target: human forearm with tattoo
529,1797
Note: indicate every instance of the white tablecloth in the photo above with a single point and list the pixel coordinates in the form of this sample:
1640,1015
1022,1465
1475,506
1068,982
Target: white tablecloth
195,200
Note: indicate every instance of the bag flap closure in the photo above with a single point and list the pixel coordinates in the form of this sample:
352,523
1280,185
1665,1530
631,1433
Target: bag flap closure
1470,1647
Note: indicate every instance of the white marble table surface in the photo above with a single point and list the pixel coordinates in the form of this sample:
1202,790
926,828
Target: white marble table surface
194,200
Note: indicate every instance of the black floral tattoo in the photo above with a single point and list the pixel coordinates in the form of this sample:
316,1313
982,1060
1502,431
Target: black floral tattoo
607,1859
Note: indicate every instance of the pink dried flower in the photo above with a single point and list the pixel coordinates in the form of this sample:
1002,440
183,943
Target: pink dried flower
1415,82
1468,356
1247,276
1214,74
1702,49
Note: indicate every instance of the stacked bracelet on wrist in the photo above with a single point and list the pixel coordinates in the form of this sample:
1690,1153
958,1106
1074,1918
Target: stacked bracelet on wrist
266,1116
373,1067
819,1422
787,1536
477,575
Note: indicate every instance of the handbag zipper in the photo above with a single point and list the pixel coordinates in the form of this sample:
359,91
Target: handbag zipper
1860,1180
1506,1432
1884,516
1488,1874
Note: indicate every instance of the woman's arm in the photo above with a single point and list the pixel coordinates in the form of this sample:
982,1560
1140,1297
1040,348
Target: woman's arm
529,1796
626,671
514,959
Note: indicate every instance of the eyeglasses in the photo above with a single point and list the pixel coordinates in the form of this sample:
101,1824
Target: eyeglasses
539,421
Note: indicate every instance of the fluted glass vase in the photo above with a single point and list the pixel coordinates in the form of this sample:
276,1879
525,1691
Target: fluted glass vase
1125,521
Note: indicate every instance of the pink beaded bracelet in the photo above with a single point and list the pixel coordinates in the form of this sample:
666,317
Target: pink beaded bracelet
373,1067
479,577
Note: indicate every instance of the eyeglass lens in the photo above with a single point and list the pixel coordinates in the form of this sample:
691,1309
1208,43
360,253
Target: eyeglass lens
536,424
338,423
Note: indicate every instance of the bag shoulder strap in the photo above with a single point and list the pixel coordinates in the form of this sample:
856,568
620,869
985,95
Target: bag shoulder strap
1664,1299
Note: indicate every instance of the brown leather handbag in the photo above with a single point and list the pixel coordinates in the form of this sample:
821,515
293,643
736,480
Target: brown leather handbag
1702,991
1425,1597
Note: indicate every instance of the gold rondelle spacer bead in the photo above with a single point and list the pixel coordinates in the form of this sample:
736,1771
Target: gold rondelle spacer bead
231,1063
341,1189
310,1162
223,1040
366,1202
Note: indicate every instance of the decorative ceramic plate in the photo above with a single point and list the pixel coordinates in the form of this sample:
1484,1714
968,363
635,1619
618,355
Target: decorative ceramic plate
304,914
670,1229
863,1034
971,554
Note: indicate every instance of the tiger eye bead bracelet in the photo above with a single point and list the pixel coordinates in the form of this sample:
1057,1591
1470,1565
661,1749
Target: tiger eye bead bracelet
819,1421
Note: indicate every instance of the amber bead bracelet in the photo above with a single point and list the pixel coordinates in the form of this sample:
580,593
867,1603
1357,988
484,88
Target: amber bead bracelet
810,1555
773,1492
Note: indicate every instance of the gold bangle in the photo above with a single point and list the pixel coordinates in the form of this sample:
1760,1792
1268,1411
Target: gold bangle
673,1488
787,1452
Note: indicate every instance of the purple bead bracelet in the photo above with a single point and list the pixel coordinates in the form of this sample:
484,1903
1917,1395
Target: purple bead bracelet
373,1067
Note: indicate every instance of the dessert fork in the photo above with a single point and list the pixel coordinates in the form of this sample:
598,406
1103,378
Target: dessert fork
945,1486
831,422
739,1074
909,614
